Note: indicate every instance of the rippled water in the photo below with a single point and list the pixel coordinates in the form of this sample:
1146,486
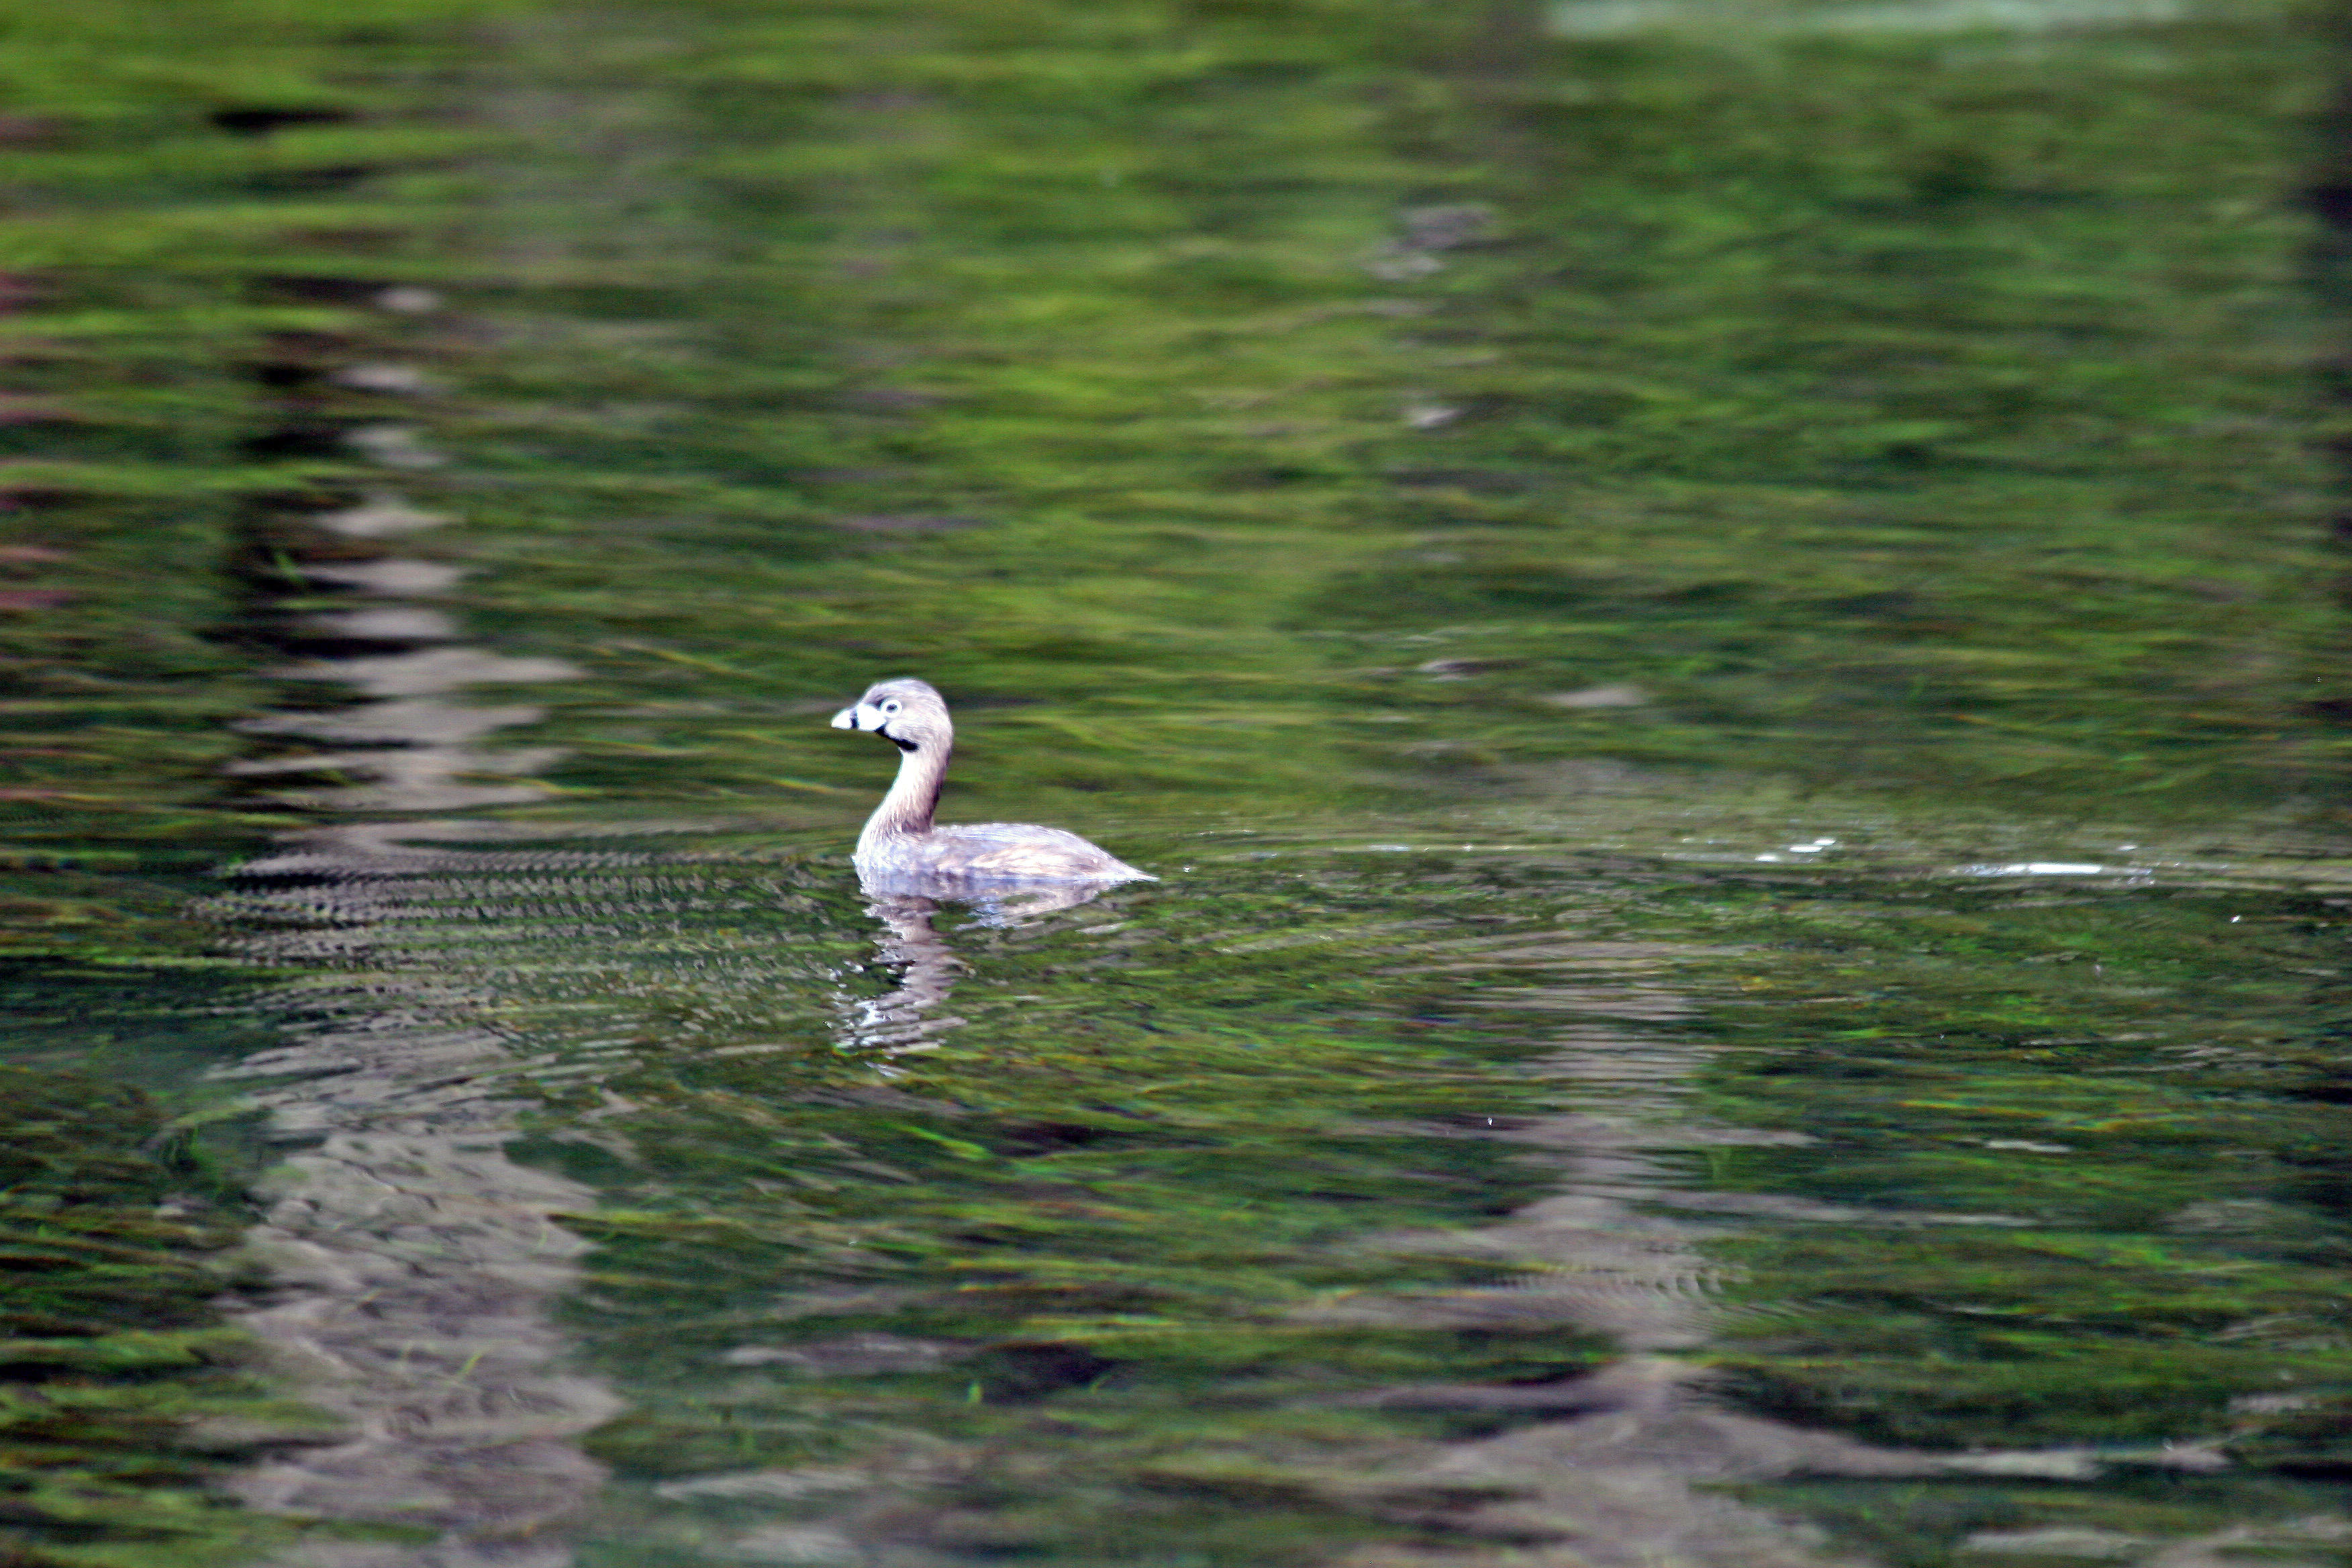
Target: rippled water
1711,621
1457,1195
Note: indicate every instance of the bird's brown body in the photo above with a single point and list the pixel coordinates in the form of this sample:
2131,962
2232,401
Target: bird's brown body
902,842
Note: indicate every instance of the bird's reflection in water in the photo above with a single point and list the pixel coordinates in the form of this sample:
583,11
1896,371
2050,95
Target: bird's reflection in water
907,1019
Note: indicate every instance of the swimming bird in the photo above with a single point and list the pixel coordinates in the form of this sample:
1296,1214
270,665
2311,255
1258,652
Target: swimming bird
900,841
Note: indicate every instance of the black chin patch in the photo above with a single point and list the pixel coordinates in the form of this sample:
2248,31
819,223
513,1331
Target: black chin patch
902,745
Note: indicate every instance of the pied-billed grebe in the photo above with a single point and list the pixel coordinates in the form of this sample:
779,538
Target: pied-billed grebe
900,840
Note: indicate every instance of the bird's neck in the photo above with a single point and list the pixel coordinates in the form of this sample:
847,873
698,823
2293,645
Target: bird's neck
905,810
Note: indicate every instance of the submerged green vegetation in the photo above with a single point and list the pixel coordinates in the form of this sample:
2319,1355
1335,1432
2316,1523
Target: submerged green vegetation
1923,412
1283,426
123,1402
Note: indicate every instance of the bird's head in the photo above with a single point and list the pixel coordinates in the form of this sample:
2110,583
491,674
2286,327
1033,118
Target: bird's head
910,715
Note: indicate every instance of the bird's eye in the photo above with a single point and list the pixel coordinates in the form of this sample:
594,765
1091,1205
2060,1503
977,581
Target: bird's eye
891,706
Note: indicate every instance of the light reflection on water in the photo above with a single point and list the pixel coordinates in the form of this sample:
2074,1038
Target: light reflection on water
1605,18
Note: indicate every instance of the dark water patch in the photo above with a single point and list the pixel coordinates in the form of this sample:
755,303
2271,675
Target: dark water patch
256,120
298,441
314,181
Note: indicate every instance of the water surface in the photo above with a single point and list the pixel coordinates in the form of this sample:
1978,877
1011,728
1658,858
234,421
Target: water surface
1712,619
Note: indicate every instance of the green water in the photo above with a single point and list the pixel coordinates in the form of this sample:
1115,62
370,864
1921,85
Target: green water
1718,621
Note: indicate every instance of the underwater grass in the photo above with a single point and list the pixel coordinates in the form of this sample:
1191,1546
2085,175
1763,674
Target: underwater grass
1895,414
123,1402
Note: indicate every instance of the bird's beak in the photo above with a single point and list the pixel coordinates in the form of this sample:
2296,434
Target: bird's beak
846,720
